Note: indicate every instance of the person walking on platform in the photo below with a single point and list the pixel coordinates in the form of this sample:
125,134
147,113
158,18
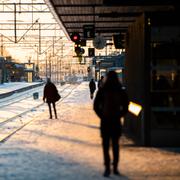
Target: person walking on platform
100,82
50,96
92,88
110,104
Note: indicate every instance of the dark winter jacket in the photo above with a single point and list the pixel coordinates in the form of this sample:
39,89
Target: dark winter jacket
110,104
50,92
92,86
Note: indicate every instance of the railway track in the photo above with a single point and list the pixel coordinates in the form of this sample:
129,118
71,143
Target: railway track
10,126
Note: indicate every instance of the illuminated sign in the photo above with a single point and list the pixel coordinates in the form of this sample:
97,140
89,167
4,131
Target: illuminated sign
134,108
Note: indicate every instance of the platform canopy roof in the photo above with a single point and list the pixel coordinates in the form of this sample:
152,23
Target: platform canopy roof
107,16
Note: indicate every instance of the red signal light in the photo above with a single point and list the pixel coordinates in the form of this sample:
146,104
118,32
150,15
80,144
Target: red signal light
75,37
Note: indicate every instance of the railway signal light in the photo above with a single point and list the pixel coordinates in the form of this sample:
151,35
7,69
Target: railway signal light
78,49
75,37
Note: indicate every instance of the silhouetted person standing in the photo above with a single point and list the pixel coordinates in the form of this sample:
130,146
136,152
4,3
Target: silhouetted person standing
50,94
92,88
110,104
100,82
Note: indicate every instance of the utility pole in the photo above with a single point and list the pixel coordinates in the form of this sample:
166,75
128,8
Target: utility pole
2,45
46,65
61,58
37,65
15,33
38,51
39,38
2,63
50,66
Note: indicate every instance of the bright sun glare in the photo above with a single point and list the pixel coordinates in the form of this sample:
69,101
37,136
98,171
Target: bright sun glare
30,31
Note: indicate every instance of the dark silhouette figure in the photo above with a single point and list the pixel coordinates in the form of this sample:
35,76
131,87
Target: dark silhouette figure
110,104
92,88
100,82
50,94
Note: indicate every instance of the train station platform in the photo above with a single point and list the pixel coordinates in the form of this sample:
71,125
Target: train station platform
69,148
7,89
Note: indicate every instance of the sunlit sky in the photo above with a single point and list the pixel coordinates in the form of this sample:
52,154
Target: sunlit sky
30,25
37,34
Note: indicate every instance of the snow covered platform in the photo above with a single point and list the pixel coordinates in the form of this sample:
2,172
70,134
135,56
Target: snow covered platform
69,148
8,89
